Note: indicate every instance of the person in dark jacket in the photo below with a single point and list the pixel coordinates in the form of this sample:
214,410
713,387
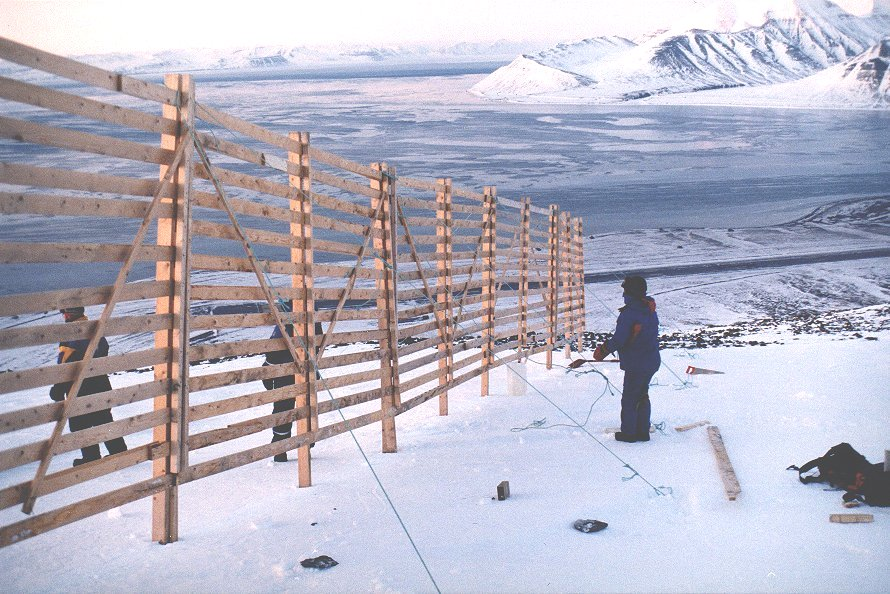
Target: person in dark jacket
636,340
69,352
282,431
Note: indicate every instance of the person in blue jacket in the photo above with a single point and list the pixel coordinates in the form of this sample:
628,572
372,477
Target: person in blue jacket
69,352
636,340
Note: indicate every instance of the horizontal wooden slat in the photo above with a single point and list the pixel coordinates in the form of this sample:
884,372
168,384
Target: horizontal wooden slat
350,186
25,379
246,207
420,184
22,92
239,376
406,385
55,205
254,236
239,320
406,366
23,303
341,163
237,151
50,177
329,202
25,336
96,144
338,404
241,429
247,182
90,75
221,118
429,257
32,253
243,293
242,402
233,264
331,361
69,477
26,454
349,379
434,222
45,413
464,193
33,526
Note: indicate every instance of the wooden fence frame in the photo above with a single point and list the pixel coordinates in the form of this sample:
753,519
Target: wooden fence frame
491,293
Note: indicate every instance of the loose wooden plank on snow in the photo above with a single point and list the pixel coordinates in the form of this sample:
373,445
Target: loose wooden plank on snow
730,482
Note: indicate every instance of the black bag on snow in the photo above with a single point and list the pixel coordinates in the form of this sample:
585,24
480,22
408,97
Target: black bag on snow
844,467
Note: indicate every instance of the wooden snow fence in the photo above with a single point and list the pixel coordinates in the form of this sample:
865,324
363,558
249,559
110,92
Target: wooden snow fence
189,235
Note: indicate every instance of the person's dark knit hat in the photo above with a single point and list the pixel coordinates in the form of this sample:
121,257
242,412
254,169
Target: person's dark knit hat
634,286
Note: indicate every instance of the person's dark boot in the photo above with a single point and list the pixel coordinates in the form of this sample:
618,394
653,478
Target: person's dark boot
282,457
643,436
89,453
626,437
116,445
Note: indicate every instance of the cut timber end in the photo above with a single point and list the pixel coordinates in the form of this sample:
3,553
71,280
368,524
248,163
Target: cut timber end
851,518
682,428
730,482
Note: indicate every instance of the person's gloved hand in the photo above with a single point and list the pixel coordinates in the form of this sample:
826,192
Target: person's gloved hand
600,352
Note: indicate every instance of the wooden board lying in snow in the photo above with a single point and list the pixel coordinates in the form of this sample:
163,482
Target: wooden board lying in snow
692,426
730,482
851,518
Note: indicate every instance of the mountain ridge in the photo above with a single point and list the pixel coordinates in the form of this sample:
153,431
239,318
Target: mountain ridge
780,50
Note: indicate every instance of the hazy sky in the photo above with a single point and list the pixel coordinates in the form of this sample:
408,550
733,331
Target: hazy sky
98,26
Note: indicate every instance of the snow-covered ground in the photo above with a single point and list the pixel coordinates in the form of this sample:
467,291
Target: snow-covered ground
671,527
803,351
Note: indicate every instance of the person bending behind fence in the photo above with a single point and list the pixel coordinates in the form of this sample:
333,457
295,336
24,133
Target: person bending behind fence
71,351
283,431
636,340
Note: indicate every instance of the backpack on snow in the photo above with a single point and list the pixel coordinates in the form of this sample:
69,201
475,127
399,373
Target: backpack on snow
844,467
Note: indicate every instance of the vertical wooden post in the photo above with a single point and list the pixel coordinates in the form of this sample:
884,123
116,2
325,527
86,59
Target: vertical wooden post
385,263
173,233
489,289
524,248
567,278
552,282
579,255
444,287
302,256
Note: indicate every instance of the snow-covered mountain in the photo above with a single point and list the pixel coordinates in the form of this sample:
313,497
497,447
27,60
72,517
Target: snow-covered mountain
185,60
861,82
783,48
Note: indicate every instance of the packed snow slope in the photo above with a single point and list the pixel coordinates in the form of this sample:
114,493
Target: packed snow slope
785,47
671,527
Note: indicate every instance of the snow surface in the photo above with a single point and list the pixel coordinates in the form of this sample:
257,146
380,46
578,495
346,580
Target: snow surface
803,349
248,529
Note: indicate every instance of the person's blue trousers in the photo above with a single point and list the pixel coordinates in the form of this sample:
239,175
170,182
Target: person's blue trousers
636,409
